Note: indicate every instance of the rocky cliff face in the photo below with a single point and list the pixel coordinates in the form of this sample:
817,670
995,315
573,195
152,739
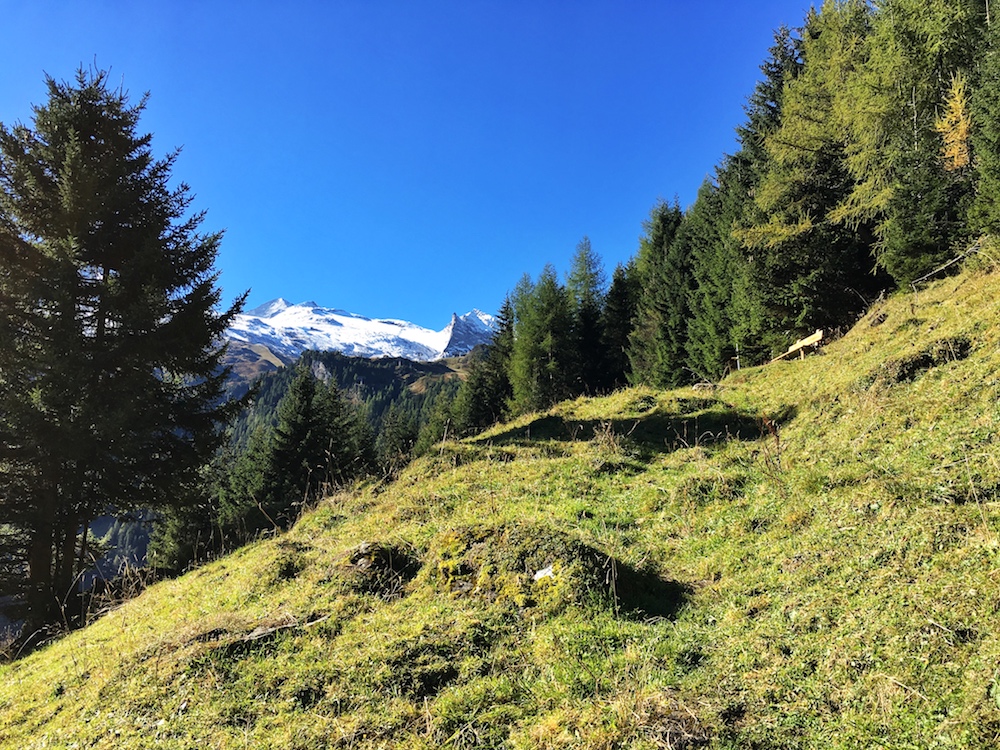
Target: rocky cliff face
467,332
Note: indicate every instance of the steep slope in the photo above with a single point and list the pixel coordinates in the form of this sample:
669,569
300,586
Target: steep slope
804,557
248,362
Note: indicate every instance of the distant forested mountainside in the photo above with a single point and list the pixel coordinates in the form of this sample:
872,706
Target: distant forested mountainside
307,429
373,386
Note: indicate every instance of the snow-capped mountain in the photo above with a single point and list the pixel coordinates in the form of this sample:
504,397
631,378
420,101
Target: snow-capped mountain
287,330
465,332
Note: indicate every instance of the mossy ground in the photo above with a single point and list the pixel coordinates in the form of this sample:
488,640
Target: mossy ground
806,556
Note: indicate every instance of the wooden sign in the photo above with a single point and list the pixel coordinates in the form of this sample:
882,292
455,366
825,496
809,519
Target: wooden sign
801,344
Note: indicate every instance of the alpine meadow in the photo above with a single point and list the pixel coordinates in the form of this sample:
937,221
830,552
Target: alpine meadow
740,492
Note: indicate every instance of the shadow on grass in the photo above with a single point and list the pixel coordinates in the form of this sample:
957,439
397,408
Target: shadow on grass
643,595
700,422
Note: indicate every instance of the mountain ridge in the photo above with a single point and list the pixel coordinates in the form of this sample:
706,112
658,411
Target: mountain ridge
287,330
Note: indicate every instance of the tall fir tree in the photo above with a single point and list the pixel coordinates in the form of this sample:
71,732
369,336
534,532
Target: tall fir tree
501,349
439,425
541,369
190,534
471,410
657,343
619,320
342,449
271,480
585,285
714,267
116,398
319,443
396,437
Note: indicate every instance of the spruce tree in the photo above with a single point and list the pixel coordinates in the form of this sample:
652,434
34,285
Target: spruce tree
242,490
501,349
657,343
396,437
296,454
469,411
541,370
619,319
341,449
320,442
585,286
115,397
714,268
479,403
191,533
438,426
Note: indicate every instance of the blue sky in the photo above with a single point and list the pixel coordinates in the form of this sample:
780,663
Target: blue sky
414,159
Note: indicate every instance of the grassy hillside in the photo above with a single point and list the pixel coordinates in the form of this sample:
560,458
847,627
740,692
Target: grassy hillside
807,556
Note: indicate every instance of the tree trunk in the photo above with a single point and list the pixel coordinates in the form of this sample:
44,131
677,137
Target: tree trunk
39,597
64,583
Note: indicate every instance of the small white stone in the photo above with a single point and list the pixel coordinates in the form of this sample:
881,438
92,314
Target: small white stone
544,573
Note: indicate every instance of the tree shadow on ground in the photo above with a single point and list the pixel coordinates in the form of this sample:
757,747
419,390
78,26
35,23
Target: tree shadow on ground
698,422
644,595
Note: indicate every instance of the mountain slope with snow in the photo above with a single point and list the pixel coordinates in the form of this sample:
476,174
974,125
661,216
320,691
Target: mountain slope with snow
287,330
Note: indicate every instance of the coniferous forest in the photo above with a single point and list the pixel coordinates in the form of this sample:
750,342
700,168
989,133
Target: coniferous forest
868,159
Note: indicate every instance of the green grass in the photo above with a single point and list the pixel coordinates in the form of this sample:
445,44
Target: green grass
805,557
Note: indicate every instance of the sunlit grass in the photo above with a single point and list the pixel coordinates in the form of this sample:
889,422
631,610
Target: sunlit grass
806,556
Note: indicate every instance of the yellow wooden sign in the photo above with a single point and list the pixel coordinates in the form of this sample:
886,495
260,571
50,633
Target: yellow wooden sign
801,344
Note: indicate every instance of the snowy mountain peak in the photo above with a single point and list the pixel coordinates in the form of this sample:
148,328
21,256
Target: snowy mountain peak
485,319
269,309
287,330
467,331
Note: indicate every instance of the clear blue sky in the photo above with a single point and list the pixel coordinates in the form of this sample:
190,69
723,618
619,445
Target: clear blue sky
414,158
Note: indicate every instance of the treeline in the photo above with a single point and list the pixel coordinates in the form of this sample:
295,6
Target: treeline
869,157
553,341
333,419
318,442
385,390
